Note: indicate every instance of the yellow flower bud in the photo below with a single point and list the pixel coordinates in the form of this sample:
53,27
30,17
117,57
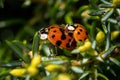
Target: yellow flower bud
116,2
82,48
63,77
85,14
32,71
87,46
114,34
18,72
100,37
52,67
36,60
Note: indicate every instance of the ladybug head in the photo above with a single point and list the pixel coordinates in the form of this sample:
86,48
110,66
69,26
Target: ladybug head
71,27
43,33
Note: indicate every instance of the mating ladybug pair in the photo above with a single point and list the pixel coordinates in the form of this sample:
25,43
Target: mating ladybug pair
64,36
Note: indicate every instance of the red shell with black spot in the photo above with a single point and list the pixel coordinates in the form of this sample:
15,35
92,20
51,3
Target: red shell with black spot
79,32
57,35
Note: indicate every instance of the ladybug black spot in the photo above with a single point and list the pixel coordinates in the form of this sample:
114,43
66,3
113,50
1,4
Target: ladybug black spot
78,33
53,36
80,40
63,37
54,31
69,40
58,43
80,30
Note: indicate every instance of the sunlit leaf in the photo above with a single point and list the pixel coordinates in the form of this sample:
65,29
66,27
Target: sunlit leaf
77,69
115,61
107,15
54,60
109,51
84,75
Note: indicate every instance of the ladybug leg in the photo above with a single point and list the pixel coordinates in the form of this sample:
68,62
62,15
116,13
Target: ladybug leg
50,49
56,49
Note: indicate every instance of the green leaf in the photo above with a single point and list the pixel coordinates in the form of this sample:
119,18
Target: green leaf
75,51
106,6
114,21
108,52
16,50
12,64
107,15
102,76
93,4
105,2
115,61
81,9
118,11
93,31
108,37
68,18
84,75
77,69
97,13
35,45
26,3
54,60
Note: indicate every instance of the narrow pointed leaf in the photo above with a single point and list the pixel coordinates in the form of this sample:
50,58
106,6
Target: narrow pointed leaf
107,15
115,61
84,75
108,51
77,69
35,43
13,64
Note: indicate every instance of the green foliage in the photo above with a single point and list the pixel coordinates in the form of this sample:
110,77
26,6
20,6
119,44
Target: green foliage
20,42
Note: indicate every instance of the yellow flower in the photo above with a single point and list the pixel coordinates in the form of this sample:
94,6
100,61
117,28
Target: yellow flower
32,71
114,34
18,72
63,77
52,67
85,14
36,60
100,37
87,46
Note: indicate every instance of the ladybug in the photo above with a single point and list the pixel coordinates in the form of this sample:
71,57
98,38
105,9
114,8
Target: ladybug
78,32
57,35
